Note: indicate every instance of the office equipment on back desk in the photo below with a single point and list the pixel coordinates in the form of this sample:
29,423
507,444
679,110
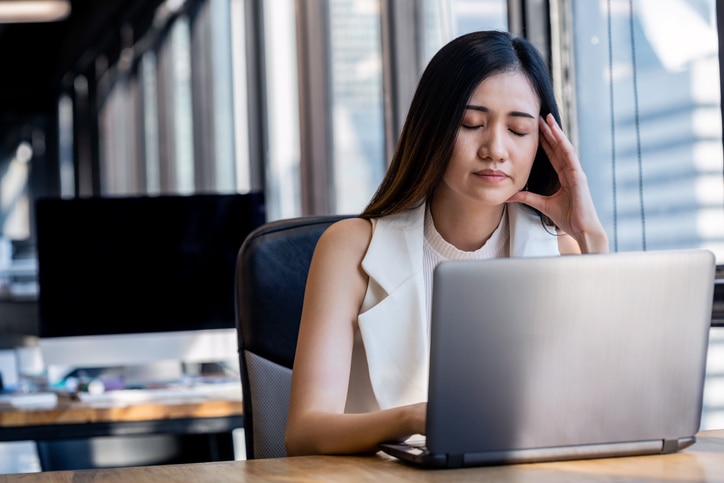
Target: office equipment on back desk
703,462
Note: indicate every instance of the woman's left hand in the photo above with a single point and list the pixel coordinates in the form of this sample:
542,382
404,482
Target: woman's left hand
571,207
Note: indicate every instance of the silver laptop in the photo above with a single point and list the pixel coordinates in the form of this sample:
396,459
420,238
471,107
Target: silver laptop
540,359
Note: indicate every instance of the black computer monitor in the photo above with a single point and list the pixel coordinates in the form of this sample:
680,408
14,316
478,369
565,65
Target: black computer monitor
126,280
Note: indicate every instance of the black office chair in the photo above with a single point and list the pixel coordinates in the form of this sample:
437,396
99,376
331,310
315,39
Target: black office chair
271,273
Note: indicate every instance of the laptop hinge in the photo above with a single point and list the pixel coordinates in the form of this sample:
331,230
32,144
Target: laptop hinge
670,446
454,460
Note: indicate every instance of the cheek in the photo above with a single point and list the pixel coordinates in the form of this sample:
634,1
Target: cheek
533,147
524,164
527,154
461,153
464,145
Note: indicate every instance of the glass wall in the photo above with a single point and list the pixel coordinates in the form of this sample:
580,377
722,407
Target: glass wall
356,79
179,68
645,112
347,103
444,20
149,123
213,97
649,120
356,102
281,97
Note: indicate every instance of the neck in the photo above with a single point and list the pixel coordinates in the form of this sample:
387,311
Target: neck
465,226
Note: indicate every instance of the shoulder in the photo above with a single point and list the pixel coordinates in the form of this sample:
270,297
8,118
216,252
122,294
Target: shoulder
349,230
336,266
349,236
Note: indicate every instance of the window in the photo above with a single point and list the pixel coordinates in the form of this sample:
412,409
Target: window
649,121
178,63
150,123
282,160
356,102
444,20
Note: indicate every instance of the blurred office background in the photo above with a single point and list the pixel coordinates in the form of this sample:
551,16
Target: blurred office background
304,100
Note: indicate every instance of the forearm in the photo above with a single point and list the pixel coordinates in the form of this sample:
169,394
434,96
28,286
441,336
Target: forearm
329,433
593,242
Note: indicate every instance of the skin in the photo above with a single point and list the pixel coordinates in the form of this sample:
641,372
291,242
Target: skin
490,164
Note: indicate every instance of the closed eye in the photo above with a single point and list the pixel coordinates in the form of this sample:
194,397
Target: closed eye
471,127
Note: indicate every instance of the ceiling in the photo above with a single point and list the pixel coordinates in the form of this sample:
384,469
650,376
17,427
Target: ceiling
34,57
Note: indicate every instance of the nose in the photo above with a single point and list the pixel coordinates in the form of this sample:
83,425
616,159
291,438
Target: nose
493,145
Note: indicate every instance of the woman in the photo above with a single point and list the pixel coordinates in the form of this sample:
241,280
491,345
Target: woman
482,170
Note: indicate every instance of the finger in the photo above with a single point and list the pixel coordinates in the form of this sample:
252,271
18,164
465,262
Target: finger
548,142
556,139
531,199
545,127
556,133
547,146
561,161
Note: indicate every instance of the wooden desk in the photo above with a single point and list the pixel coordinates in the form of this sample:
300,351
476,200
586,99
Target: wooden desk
704,461
194,426
75,419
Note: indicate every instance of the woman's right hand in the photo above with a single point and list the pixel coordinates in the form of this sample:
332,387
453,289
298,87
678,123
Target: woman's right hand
417,415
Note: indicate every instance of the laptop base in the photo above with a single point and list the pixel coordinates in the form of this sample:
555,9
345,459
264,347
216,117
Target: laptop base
420,456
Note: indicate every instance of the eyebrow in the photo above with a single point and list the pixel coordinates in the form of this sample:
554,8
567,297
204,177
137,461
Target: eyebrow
512,113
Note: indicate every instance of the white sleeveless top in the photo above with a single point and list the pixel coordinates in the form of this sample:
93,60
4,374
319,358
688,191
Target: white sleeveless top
390,358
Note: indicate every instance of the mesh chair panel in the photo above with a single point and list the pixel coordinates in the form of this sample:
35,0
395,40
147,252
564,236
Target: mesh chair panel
269,388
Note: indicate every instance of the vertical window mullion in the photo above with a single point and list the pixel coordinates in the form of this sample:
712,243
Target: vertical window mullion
221,86
250,100
315,109
202,97
84,119
137,130
150,123
164,88
66,144
241,18
183,109
401,64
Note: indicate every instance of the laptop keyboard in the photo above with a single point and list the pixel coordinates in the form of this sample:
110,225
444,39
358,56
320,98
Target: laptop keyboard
417,444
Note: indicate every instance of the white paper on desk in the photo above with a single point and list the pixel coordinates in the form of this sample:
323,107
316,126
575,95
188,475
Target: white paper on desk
226,391
30,399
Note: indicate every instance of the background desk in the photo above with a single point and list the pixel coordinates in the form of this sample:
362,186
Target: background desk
211,418
704,462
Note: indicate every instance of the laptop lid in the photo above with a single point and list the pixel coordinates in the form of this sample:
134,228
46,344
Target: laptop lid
535,359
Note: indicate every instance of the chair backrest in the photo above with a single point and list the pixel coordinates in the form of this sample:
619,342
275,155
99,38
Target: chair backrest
271,273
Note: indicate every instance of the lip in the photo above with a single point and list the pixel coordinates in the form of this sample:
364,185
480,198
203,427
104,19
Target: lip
491,175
